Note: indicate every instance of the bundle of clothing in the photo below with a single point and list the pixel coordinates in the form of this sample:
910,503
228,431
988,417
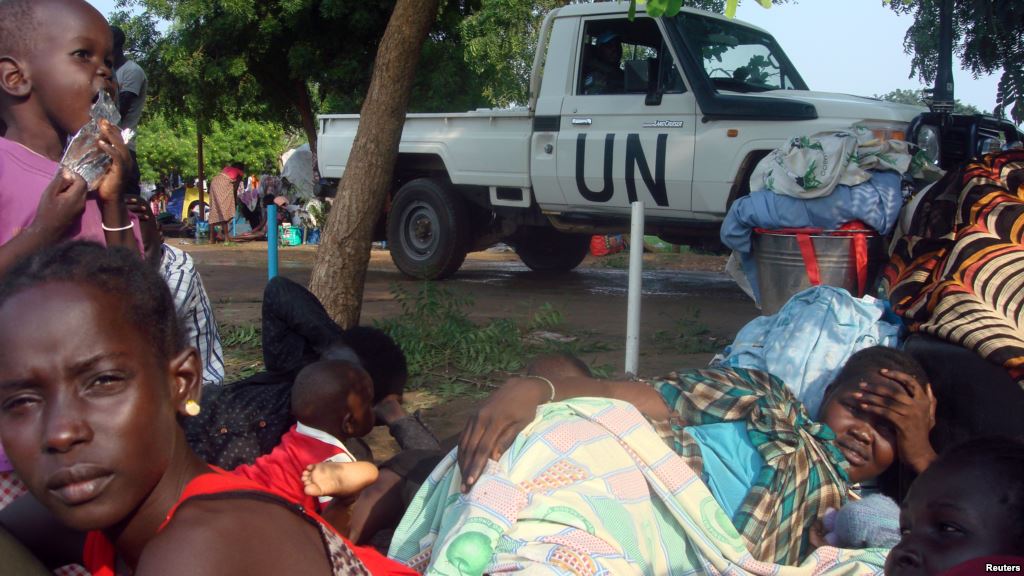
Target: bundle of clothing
958,271
822,182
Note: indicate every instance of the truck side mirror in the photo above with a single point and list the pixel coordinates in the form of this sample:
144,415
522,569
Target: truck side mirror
654,92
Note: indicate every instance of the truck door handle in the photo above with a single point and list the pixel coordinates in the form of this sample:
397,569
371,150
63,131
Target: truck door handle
582,121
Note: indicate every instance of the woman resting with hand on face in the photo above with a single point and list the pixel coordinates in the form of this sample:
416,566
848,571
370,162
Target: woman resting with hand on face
591,482
94,377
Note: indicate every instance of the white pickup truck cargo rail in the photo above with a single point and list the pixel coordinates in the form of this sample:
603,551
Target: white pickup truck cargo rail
673,111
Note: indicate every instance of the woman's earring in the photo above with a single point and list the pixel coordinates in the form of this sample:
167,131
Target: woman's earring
192,408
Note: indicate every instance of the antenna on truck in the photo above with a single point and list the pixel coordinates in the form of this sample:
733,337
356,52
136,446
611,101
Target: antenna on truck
942,94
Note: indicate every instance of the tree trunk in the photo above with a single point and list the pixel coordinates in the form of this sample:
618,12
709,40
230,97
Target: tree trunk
305,106
340,270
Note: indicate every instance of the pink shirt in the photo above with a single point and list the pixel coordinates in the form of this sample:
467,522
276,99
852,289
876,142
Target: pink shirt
24,175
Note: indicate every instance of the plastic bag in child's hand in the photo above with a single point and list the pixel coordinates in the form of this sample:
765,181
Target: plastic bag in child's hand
82,155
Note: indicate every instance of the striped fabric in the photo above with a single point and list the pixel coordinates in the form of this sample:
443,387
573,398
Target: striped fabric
958,274
194,311
804,473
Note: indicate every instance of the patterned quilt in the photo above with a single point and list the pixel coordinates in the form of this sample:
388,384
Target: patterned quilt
588,488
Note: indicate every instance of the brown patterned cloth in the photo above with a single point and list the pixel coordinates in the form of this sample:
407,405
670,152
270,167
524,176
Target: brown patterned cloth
958,273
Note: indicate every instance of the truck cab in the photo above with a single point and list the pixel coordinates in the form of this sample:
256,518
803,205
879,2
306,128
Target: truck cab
675,112
701,99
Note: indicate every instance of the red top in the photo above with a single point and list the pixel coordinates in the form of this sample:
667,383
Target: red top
282,469
99,554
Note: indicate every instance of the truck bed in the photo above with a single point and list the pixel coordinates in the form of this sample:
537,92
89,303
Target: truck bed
463,141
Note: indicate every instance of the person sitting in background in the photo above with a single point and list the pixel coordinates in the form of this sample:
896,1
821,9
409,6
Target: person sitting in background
604,73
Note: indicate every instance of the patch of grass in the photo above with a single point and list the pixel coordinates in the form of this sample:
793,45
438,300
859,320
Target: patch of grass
243,353
436,334
247,336
545,318
618,261
451,355
602,371
447,353
690,335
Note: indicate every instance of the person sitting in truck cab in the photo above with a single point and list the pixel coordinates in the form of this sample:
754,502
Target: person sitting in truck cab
602,64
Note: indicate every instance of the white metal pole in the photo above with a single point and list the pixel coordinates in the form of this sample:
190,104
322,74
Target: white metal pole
636,267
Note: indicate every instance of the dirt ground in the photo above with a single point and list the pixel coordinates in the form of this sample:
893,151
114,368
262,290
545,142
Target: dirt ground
690,308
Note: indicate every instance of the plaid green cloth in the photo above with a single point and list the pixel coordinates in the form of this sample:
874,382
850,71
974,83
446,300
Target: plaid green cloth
803,475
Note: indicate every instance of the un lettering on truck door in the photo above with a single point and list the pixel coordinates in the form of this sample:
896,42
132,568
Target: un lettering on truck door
615,145
636,161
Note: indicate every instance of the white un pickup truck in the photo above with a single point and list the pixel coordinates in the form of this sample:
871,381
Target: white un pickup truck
675,112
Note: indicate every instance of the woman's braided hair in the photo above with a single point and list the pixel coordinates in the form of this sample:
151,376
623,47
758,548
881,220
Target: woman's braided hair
117,271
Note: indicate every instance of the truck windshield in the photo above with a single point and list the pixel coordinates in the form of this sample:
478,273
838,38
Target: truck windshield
737,58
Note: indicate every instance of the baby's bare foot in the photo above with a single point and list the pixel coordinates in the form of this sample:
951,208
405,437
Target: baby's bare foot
337,478
312,479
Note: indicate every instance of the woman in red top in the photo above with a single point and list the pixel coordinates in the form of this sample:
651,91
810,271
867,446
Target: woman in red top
93,379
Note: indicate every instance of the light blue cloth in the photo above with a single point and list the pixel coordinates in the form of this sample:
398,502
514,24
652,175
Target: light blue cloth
876,203
731,462
807,342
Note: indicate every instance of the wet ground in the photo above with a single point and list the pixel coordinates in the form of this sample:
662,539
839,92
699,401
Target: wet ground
690,307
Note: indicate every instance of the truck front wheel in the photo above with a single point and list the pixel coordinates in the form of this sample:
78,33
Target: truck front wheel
427,232
548,250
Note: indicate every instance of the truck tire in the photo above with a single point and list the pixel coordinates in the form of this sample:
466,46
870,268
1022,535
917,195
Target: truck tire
427,230
548,250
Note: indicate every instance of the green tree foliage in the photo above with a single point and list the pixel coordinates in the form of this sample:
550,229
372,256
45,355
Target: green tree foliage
166,146
288,60
658,8
988,36
919,98
501,39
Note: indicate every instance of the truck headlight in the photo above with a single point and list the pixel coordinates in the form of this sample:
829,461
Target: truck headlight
928,140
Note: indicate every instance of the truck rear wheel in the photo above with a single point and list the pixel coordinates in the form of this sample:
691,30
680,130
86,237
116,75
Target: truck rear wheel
427,231
548,250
